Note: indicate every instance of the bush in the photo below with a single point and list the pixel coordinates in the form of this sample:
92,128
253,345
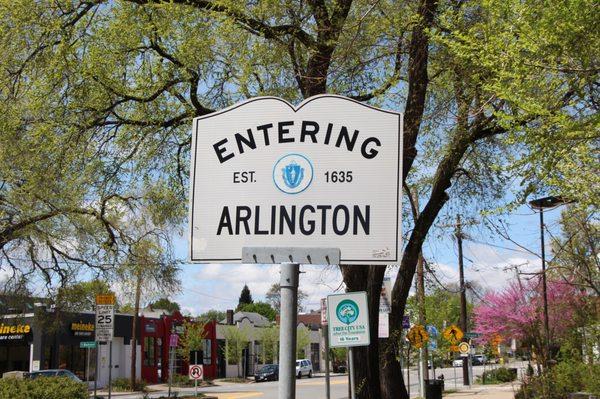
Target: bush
42,388
182,380
124,384
499,375
564,378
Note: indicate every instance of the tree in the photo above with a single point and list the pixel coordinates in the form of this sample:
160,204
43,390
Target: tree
517,312
192,339
302,341
212,315
442,307
269,339
165,303
81,297
236,340
261,308
273,296
576,257
245,297
492,92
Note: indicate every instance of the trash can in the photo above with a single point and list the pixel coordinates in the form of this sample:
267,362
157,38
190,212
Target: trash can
434,389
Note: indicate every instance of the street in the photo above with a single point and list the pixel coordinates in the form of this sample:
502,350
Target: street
314,388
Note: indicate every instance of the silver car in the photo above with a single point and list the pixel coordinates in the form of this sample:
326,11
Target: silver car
303,367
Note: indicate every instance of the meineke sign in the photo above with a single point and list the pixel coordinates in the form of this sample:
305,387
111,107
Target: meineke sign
324,174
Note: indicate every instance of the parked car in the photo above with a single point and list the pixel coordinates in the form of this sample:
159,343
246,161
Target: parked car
458,362
268,372
479,360
53,373
303,367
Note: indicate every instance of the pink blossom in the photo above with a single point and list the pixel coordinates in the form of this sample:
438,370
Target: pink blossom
517,311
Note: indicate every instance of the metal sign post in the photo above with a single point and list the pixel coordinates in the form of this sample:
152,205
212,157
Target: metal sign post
290,260
325,332
104,329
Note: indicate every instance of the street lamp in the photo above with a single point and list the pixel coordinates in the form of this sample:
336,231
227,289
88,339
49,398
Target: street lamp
541,203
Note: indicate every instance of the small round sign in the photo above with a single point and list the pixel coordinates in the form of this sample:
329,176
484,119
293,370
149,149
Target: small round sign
196,372
464,348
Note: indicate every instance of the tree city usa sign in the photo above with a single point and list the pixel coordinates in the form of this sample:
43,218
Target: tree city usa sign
348,319
324,174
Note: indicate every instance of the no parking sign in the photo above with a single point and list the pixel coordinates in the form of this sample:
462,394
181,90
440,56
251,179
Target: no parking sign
196,372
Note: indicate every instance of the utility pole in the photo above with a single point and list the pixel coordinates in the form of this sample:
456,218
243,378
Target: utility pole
463,297
422,320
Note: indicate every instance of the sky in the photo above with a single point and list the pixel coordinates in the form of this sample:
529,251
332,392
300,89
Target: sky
487,258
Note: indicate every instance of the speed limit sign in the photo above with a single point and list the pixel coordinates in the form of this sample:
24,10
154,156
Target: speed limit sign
196,372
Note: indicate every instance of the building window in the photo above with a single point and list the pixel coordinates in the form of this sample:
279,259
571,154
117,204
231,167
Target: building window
207,352
149,351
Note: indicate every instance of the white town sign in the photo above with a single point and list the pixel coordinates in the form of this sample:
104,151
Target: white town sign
324,174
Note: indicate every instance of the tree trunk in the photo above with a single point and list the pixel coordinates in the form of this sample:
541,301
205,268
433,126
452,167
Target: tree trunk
136,307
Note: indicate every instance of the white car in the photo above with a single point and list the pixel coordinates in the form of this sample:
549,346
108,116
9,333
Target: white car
303,367
457,362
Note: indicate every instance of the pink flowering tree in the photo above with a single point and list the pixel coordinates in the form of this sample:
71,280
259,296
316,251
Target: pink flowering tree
517,312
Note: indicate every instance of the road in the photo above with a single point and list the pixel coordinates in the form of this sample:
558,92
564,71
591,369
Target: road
314,388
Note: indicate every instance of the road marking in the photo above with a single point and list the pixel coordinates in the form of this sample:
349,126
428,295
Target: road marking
235,395
332,382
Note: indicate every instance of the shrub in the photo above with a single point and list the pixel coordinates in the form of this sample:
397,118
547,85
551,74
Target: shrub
42,388
564,378
498,375
124,384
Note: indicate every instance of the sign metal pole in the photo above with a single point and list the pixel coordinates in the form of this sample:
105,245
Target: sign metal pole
327,380
352,382
195,379
109,369
288,330
96,370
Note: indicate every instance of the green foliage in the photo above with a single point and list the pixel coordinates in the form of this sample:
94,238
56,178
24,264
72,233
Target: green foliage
261,308
192,339
212,315
269,340
564,378
302,341
165,303
81,297
498,376
42,388
124,385
236,340
442,307
245,297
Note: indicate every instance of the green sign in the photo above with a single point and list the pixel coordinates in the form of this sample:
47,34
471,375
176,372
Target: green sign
471,335
87,344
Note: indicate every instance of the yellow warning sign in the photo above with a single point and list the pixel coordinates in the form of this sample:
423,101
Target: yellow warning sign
417,336
108,299
453,334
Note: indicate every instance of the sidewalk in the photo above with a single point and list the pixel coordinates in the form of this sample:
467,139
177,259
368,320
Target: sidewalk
502,391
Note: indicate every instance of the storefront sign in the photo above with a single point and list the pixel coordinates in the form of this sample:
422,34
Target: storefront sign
81,329
12,332
348,316
326,173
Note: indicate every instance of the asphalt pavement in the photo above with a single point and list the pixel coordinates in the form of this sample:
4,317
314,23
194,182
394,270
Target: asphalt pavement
313,388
